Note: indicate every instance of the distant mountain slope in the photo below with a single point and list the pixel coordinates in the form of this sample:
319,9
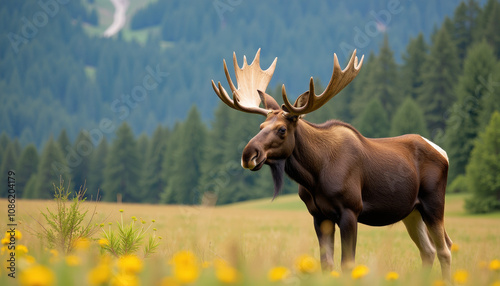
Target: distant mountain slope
57,72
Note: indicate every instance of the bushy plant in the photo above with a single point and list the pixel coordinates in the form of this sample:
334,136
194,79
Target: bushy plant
65,225
128,238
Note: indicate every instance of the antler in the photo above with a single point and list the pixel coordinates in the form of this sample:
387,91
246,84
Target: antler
309,101
250,78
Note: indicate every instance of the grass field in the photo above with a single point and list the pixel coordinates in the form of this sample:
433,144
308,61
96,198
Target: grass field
262,234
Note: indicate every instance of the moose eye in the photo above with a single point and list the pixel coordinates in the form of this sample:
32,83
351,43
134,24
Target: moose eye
282,130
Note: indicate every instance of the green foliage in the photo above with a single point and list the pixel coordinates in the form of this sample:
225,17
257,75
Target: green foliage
128,238
9,163
409,118
463,124
382,82
413,68
437,92
96,172
52,165
459,185
153,179
26,168
483,169
186,163
66,224
373,121
122,167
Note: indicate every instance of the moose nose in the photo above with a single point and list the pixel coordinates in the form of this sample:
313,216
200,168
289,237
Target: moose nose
249,158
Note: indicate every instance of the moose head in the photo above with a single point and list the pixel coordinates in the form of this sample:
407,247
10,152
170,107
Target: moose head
276,140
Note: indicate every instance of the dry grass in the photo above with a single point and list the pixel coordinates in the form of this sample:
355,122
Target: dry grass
265,234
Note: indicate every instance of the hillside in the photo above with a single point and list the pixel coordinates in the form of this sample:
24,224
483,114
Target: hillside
67,76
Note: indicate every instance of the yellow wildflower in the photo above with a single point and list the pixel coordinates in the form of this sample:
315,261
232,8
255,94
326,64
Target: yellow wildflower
5,241
72,260
496,283
82,243
124,279
391,276
360,271
54,256
186,267
169,281
37,275
454,247
482,264
103,242
100,274
438,283
28,259
18,235
495,265
21,249
279,273
335,274
461,276
226,273
130,264
206,264
306,264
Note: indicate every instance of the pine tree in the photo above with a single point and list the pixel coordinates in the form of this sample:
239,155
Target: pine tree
381,82
463,122
122,171
483,169
187,159
64,142
465,26
373,121
489,21
409,118
83,149
168,164
52,167
361,85
153,179
384,79
413,69
8,163
96,172
213,177
437,93
26,168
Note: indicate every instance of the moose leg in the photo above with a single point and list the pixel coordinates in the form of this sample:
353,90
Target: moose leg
348,225
325,230
418,232
438,235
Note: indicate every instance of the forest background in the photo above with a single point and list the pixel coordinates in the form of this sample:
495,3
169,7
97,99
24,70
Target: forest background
134,116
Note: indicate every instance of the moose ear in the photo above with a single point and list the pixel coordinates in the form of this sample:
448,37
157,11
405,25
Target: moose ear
268,101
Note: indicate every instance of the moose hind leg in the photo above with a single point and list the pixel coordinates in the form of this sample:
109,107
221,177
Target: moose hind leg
325,230
418,232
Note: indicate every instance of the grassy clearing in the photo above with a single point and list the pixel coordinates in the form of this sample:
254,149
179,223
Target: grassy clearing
262,234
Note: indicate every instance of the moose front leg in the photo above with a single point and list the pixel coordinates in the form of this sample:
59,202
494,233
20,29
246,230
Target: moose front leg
325,230
348,225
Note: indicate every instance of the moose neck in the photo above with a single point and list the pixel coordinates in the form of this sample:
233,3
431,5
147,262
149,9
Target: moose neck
314,144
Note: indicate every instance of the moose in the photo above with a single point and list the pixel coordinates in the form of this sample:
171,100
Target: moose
344,178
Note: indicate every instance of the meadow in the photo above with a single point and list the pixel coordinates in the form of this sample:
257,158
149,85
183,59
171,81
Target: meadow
258,236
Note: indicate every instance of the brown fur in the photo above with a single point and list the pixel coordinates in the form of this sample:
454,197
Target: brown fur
346,178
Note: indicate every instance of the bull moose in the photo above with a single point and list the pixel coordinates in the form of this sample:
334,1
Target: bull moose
344,178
